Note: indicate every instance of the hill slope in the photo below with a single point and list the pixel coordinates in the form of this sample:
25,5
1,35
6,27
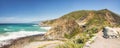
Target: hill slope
84,21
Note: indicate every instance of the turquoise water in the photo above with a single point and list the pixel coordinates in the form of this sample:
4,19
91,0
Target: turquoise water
20,27
14,31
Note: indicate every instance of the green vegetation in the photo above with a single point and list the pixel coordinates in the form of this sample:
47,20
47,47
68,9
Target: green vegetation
75,32
78,41
98,17
70,44
76,14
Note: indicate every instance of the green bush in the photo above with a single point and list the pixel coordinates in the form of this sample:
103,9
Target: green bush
67,36
72,34
80,41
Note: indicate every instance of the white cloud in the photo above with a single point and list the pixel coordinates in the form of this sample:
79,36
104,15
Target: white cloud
18,19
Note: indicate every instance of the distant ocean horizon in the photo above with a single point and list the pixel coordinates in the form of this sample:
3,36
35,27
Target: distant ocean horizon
10,31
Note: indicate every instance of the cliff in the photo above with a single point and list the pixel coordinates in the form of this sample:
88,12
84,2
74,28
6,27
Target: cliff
67,28
77,22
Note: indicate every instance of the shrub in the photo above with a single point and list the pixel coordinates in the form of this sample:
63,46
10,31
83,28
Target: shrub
70,44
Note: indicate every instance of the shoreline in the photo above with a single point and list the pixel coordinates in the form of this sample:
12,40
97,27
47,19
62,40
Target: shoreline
10,43
17,43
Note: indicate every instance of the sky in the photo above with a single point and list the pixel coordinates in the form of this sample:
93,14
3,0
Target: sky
23,11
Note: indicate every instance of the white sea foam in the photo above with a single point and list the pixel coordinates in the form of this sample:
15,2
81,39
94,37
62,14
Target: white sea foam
47,28
4,38
6,29
35,25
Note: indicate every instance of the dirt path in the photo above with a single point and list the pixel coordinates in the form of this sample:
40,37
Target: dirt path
101,42
43,44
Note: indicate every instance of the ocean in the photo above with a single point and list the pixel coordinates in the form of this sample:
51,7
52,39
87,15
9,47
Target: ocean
17,30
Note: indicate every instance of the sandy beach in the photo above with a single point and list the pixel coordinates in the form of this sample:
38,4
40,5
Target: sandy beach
43,44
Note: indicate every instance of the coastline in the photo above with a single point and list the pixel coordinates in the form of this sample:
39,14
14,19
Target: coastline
21,41
17,43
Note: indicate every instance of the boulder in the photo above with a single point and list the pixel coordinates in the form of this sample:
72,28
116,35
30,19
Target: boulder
110,32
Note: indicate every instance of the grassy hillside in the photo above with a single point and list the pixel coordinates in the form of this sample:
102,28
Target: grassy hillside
99,15
79,26
86,19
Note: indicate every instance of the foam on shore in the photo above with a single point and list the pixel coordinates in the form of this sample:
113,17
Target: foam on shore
8,36
47,28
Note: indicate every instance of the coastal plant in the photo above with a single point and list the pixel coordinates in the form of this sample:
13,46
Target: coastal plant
77,41
72,34
70,44
67,36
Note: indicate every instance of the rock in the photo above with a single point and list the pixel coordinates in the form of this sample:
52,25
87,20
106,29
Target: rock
66,27
110,32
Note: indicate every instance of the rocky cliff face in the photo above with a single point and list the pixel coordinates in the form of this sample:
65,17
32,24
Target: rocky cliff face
64,29
111,32
81,21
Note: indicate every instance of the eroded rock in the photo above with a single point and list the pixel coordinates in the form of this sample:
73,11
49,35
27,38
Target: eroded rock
109,32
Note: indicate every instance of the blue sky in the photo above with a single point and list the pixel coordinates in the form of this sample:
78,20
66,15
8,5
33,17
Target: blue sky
20,11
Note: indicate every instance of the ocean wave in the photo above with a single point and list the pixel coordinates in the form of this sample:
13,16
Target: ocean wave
35,25
6,29
47,28
4,38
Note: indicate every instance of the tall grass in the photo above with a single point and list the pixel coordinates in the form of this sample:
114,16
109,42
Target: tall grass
70,44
